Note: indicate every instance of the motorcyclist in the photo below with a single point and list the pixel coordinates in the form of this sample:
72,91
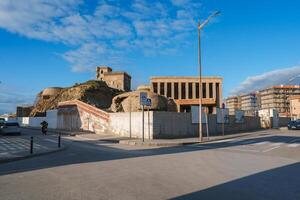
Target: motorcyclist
44,126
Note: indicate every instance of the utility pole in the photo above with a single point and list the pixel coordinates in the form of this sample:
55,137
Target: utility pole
200,26
200,83
130,117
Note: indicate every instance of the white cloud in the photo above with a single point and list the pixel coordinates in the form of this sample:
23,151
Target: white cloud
33,18
180,2
108,32
9,101
276,77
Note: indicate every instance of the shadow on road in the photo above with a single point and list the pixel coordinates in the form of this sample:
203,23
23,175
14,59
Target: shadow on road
275,184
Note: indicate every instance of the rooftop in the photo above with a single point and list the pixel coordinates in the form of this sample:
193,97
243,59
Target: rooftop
185,77
282,87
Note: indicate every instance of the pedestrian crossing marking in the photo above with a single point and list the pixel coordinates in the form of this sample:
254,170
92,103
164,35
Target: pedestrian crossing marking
277,144
293,145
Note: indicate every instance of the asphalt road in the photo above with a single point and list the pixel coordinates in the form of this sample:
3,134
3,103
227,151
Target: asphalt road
257,167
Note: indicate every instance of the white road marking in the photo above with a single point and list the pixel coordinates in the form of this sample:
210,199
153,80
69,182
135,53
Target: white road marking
245,150
293,145
51,140
292,141
277,144
220,141
270,149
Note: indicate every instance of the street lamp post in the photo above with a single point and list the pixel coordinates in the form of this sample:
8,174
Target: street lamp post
200,26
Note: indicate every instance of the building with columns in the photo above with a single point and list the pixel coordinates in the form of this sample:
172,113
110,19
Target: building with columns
185,91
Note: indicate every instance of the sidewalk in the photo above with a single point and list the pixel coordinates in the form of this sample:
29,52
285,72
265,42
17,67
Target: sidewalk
159,142
184,141
14,148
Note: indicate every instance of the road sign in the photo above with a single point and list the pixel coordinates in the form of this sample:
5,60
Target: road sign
143,98
148,102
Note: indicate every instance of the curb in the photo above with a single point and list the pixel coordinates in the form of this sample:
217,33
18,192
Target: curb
31,156
174,144
59,131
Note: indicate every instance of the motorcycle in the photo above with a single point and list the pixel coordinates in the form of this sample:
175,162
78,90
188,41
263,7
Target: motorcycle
44,130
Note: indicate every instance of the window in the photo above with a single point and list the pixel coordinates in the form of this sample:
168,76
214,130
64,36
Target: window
217,93
190,90
183,96
210,90
204,90
175,90
169,89
162,89
154,85
197,90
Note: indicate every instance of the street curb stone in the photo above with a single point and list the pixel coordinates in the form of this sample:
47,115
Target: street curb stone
31,156
174,144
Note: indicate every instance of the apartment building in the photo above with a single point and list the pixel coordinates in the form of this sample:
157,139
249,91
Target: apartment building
250,104
277,97
233,103
295,106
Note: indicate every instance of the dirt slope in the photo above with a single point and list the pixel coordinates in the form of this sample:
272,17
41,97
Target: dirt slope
93,92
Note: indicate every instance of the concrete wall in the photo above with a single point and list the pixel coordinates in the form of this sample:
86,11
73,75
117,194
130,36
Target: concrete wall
173,125
78,116
120,124
283,121
51,118
31,121
179,125
80,119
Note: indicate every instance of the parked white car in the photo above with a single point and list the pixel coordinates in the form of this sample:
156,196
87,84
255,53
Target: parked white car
9,128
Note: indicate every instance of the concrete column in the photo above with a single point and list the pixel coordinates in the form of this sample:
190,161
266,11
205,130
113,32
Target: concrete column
207,89
194,90
187,90
158,87
214,90
166,88
220,94
179,90
172,90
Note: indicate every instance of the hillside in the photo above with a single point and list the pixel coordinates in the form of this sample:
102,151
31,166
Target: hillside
93,92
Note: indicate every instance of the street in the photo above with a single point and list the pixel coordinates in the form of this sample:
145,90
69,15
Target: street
262,166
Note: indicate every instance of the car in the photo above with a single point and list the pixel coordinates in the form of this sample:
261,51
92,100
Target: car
10,128
294,124
2,121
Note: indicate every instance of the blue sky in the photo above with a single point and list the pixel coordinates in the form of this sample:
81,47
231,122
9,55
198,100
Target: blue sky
252,44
